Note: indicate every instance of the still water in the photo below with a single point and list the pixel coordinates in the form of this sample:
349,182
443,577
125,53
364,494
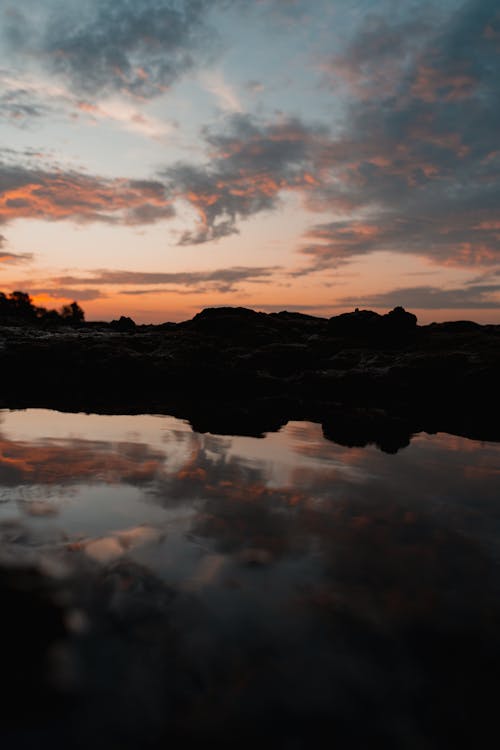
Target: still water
285,590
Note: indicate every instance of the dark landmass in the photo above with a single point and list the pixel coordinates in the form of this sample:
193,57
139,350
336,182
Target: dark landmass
367,378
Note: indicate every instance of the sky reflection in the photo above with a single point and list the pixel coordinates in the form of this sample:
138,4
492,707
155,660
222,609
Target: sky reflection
289,572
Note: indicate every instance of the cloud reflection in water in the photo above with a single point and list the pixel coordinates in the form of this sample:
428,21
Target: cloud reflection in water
275,587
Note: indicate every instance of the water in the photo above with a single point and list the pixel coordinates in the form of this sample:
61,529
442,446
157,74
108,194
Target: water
206,588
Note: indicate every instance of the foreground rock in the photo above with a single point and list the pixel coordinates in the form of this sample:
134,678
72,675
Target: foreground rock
365,377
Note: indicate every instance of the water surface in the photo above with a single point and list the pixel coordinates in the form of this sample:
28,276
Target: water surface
231,589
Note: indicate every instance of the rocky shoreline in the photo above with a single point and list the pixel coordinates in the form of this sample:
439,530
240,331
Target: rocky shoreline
367,378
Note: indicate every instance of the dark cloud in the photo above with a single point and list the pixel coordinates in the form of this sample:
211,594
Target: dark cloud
163,290
390,40
492,273
32,192
12,258
254,86
15,258
20,107
486,296
414,167
85,288
467,237
82,295
139,47
251,164
221,280
418,156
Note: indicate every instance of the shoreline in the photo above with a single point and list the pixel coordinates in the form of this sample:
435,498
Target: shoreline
366,378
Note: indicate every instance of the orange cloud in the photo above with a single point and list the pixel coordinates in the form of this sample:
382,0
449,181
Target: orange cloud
471,254
71,195
489,225
84,106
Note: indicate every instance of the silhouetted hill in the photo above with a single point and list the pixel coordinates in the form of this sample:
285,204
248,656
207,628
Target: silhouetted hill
366,377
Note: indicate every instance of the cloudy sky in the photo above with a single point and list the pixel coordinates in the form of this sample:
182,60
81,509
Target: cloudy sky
161,156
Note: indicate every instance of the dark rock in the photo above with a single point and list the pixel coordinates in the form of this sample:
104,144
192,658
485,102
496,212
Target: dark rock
457,326
124,324
366,324
227,366
220,320
400,322
357,324
235,324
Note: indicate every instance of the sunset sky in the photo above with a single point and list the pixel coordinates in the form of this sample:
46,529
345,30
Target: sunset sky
161,156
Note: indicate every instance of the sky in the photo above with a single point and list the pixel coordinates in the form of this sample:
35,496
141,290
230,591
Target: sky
162,156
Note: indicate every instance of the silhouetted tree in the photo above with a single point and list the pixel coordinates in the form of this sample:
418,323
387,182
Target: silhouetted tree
17,307
21,305
72,313
50,316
